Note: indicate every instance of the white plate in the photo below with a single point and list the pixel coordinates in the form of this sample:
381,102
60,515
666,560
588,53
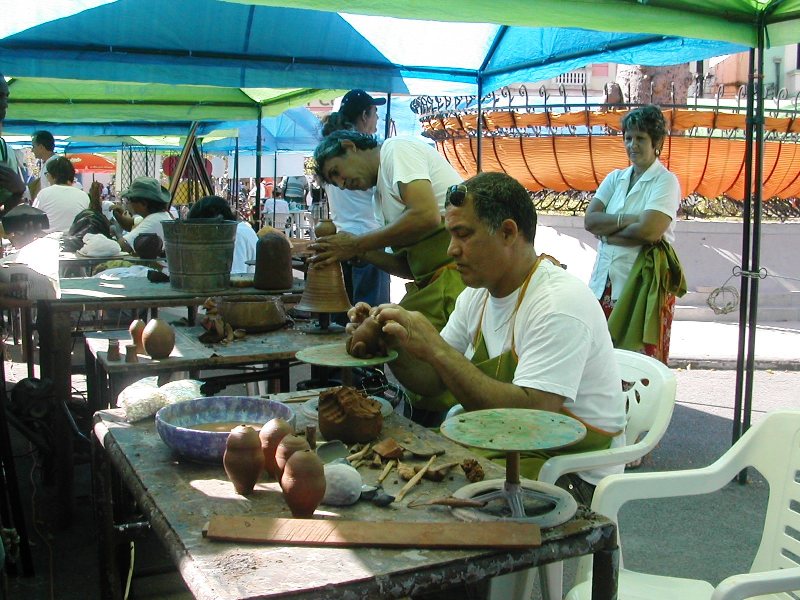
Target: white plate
310,407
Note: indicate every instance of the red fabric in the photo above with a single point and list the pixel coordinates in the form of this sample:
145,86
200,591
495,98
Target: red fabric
658,351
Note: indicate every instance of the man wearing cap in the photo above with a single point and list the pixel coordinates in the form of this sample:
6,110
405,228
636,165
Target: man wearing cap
12,187
352,210
149,199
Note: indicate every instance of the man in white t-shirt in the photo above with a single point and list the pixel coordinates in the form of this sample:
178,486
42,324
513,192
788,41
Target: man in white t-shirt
524,334
12,187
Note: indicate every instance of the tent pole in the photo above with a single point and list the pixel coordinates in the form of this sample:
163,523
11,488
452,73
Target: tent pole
257,207
480,125
235,186
274,186
755,257
387,126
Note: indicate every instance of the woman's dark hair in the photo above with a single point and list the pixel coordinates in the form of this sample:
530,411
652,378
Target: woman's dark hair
44,138
335,121
209,207
331,147
61,170
649,119
497,197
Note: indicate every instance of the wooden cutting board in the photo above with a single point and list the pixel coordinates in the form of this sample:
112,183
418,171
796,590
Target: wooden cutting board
341,533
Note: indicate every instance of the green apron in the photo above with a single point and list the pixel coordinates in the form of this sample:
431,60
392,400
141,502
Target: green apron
502,368
433,292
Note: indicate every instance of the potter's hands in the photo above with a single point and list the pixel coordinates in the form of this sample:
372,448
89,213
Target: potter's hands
408,330
334,248
356,316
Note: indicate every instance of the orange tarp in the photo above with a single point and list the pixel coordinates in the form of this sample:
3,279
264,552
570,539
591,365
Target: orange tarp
708,166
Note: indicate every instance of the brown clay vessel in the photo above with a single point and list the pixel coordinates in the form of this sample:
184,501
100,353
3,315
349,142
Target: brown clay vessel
136,329
324,227
303,483
271,435
158,338
367,340
288,446
243,459
347,414
113,350
131,353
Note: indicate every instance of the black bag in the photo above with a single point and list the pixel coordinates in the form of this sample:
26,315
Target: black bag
86,221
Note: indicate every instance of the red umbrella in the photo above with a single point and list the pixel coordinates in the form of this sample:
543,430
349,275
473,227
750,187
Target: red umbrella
92,163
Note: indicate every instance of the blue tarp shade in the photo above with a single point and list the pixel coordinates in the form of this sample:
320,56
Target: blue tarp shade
297,129
207,42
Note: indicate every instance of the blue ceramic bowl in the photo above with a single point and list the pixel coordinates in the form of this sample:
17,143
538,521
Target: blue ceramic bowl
174,423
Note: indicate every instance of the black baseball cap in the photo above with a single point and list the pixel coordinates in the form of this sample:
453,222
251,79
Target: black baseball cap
355,102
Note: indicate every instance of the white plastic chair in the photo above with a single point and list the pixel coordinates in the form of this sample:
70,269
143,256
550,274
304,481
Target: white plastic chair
650,401
772,447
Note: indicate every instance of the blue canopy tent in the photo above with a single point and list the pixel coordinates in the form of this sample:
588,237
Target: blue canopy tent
219,43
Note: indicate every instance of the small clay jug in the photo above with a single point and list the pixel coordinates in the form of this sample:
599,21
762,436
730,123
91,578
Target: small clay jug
131,353
288,446
324,227
243,459
271,435
136,329
113,350
367,340
158,338
303,483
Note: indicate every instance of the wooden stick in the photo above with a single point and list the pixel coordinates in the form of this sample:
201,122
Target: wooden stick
413,481
386,470
360,454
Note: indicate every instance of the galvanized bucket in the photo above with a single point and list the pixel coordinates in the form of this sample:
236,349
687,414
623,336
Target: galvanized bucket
199,254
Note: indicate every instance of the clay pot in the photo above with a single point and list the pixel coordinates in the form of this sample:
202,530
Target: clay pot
271,435
303,483
136,329
243,459
324,227
158,338
113,350
367,340
286,447
347,414
131,353
273,263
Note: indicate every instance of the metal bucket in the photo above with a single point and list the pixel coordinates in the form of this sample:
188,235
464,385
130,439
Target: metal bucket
199,254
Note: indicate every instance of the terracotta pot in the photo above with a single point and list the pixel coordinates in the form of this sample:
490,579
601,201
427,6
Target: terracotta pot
271,435
136,329
347,414
288,446
273,263
253,313
158,338
303,483
367,340
243,459
324,227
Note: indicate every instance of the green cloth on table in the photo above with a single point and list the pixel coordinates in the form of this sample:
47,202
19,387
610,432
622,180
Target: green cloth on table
636,318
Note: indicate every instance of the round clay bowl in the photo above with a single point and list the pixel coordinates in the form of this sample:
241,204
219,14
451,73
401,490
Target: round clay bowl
253,313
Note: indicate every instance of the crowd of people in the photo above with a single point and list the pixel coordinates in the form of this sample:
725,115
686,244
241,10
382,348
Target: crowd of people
487,321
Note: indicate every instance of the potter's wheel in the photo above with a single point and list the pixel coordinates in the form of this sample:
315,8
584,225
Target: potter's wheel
515,430
335,355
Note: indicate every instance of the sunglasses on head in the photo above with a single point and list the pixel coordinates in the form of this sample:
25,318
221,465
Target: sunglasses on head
456,194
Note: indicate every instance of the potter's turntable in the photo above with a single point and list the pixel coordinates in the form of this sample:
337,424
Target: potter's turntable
335,355
513,431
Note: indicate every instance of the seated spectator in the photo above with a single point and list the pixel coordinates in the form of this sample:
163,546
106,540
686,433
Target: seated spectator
60,200
148,199
36,257
246,239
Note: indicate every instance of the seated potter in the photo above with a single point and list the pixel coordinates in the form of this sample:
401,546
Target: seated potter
524,334
149,199
36,258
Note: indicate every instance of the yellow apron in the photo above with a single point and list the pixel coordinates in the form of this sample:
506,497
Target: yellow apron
502,368
433,292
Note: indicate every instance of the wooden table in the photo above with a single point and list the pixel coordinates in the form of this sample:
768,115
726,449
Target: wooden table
177,498
54,323
105,379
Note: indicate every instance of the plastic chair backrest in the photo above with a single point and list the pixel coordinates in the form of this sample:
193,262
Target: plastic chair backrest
650,389
772,447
